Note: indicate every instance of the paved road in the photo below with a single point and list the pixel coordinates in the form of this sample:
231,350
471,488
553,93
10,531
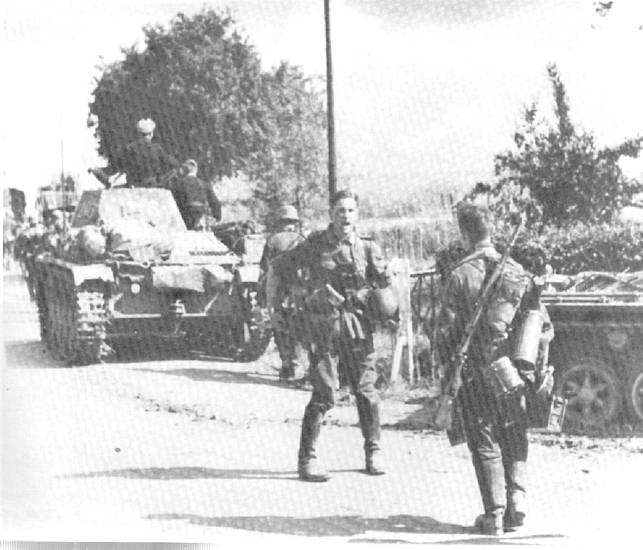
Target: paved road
197,450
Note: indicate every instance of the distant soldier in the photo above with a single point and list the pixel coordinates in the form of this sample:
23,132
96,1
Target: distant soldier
194,197
143,161
286,237
342,272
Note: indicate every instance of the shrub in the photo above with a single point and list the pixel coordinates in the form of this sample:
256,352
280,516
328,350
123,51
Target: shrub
581,247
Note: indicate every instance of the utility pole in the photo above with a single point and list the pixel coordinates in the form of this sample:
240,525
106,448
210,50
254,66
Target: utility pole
332,161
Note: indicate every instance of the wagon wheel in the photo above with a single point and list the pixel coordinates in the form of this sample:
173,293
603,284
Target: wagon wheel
635,396
593,393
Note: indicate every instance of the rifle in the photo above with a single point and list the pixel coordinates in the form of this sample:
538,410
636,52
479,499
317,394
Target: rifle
444,416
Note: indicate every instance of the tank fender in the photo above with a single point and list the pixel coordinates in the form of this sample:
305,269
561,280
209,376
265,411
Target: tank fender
82,273
247,273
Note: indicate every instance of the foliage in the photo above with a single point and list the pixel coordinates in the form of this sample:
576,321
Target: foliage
202,83
295,171
580,247
557,174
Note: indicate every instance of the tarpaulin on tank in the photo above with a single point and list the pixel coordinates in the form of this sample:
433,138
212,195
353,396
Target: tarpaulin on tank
189,277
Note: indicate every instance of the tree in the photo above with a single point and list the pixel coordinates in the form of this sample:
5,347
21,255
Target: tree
557,173
295,172
202,83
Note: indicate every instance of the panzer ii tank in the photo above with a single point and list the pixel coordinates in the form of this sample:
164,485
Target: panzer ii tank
127,271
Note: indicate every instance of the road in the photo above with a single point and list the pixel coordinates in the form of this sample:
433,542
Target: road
198,450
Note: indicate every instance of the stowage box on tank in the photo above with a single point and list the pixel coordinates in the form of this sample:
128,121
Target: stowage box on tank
129,270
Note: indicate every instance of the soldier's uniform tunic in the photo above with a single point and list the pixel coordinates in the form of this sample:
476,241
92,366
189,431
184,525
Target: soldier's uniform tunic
344,333
498,443
144,162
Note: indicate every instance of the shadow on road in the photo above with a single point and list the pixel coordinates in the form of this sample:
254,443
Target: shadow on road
29,354
225,376
323,526
189,472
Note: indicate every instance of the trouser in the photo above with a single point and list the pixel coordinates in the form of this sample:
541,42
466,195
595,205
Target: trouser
499,448
285,337
357,359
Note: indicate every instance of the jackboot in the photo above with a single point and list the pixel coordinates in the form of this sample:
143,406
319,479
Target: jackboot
373,457
308,467
489,524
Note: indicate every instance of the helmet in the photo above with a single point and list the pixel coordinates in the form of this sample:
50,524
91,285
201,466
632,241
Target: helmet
288,212
145,125
383,303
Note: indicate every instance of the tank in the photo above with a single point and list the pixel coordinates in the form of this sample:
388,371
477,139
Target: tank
598,346
127,272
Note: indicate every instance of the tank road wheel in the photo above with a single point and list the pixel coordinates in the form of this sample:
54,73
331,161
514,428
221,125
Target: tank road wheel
253,324
593,393
635,396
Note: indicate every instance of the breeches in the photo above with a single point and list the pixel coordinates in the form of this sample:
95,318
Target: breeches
357,359
498,448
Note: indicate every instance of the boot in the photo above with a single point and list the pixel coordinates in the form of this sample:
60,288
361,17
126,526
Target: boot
489,524
287,372
373,456
513,519
308,468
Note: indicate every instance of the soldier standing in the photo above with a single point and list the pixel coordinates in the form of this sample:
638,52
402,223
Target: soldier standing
495,429
340,271
195,197
286,237
144,161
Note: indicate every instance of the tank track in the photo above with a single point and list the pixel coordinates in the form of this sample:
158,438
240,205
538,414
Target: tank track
73,323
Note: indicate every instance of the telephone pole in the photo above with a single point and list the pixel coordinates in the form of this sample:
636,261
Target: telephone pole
330,112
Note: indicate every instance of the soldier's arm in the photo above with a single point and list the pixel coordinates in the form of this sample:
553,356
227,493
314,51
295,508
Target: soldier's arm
449,321
213,202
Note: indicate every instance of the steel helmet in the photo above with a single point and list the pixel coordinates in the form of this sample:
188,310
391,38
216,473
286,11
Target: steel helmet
288,212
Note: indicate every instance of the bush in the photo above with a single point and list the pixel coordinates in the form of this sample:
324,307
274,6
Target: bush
580,247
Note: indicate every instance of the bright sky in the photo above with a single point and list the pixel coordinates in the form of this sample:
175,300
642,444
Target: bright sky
427,91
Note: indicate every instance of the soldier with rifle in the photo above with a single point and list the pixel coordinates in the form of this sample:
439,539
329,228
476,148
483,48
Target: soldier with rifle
344,274
489,300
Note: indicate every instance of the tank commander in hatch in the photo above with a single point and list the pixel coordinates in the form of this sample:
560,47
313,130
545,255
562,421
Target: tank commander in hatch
144,161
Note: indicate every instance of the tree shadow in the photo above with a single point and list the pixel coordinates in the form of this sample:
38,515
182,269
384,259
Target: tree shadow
30,354
324,525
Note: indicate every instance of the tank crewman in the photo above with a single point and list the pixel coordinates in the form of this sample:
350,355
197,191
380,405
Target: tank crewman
340,270
144,161
195,197
495,429
286,237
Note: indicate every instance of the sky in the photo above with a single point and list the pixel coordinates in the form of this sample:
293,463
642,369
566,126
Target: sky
426,91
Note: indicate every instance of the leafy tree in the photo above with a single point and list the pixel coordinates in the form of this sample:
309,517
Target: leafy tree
202,83
557,174
295,172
